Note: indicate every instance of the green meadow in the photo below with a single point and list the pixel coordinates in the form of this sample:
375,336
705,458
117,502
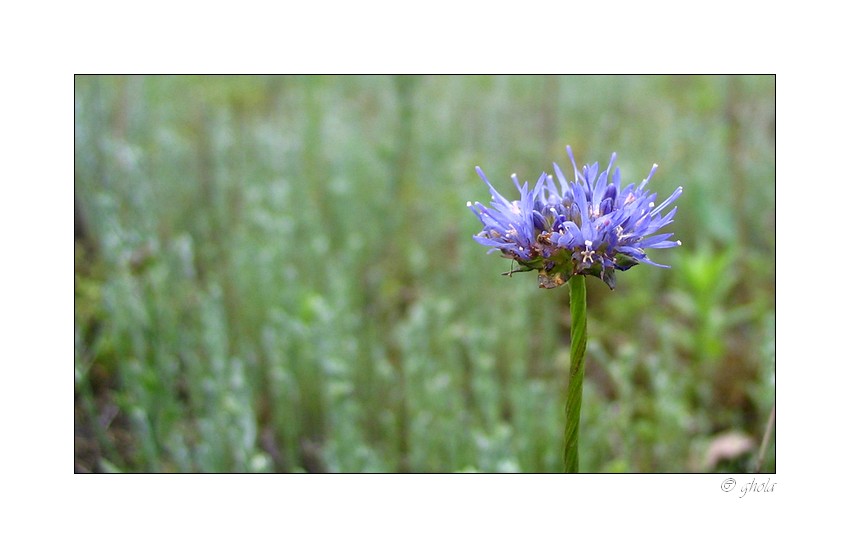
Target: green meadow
277,274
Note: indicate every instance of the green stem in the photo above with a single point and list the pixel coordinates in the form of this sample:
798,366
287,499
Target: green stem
578,343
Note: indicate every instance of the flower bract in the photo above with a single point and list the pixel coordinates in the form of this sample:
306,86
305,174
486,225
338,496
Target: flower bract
591,225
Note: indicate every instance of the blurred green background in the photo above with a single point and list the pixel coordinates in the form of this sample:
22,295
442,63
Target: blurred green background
278,274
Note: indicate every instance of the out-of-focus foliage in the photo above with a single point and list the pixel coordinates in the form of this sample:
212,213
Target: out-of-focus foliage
278,274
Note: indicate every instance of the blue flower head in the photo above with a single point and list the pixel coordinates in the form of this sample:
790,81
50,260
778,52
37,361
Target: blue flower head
591,226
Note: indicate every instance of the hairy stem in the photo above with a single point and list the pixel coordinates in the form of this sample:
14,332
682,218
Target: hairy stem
578,343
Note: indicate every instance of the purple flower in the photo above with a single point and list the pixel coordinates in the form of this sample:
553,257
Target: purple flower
591,226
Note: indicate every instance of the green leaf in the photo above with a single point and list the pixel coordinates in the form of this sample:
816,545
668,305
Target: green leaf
624,261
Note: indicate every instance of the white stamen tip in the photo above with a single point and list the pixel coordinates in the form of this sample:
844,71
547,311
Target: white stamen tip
468,204
678,242
588,243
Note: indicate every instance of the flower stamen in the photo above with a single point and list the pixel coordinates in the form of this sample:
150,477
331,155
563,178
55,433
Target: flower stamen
587,254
